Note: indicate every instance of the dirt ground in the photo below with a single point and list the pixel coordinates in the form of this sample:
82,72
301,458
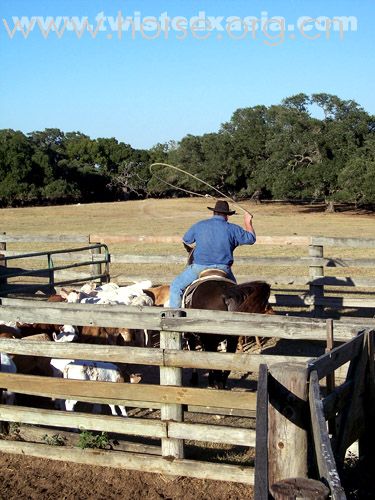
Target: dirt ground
32,478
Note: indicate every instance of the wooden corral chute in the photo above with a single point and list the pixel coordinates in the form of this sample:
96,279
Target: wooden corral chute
350,407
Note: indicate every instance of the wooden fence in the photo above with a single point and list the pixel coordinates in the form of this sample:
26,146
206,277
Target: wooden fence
170,396
292,415
319,291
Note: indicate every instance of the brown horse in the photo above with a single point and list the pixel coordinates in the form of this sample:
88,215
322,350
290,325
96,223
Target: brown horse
223,295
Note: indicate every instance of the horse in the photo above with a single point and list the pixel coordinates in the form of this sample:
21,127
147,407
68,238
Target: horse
221,294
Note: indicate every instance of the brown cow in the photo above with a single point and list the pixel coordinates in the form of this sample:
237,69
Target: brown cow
159,294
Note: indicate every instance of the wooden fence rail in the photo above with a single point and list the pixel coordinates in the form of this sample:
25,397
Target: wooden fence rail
193,320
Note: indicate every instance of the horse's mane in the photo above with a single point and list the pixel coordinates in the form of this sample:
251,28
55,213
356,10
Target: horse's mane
248,297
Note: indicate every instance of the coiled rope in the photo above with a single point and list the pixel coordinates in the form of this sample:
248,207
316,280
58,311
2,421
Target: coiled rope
178,169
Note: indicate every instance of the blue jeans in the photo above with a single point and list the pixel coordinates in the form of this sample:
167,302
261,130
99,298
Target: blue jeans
188,275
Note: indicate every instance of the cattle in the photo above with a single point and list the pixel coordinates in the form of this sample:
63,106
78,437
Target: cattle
7,366
34,365
159,295
88,370
67,333
111,293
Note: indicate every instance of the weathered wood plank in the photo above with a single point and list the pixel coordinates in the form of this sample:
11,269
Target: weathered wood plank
260,325
105,423
111,354
34,434
323,450
227,412
212,433
63,257
338,302
171,446
330,361
266,261
351,421
45,238
343,242
261,447
287,428
341,281
146,356
337,400
242,362
261,240
134,461
309,300
366,442
271,261
73,389
129,426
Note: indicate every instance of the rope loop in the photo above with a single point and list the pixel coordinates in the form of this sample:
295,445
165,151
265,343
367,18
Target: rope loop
178,169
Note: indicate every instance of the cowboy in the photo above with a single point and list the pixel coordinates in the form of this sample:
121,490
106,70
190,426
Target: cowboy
213,242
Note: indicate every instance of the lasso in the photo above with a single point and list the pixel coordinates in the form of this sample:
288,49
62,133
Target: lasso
178,169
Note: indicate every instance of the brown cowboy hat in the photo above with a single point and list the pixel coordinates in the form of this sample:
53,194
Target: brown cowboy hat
222,207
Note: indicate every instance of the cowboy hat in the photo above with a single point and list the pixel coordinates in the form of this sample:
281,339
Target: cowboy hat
222,207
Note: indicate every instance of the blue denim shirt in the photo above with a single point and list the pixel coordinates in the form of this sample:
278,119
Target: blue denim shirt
216,239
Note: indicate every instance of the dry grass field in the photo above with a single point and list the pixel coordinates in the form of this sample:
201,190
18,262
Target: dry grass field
172,217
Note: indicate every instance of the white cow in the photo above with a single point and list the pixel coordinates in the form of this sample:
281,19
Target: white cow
67,333
7,366
109,293
88,370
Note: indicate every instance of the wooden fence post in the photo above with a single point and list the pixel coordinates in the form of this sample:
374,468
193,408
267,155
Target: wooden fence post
261,445
330,378
96,268
316,271
171,447
288,422
366,442
51,274
3,246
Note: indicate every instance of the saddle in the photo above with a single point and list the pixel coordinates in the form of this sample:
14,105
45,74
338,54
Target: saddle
205,275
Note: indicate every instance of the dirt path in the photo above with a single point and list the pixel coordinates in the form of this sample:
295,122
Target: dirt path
31,478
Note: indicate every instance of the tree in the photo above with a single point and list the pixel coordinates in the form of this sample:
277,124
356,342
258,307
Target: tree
357,179
16,173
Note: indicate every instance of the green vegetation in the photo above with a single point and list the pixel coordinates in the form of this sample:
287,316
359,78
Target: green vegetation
277,152
54,440
89,440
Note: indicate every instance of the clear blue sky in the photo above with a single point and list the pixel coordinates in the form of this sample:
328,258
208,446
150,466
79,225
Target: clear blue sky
148,91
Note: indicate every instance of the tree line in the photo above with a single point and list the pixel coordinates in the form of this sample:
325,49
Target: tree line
316,147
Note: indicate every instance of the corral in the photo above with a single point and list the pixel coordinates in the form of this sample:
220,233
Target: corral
173,400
